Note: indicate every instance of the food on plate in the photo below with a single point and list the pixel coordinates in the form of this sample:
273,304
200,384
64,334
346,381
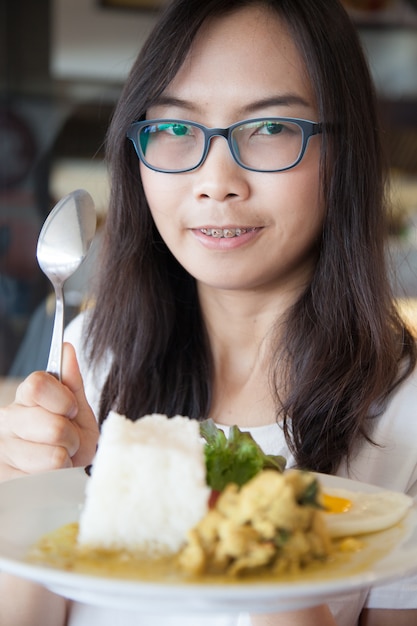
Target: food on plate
274,521
147,486
172,495
284,523
350,513
234,459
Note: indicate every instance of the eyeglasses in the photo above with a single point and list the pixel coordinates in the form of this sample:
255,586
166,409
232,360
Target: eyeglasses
267,144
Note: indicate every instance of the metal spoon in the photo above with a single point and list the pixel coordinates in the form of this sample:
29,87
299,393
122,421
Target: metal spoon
63,244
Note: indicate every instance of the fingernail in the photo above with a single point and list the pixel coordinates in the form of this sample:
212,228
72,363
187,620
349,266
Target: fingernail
73,412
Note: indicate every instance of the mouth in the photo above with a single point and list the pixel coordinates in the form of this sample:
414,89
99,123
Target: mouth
226,233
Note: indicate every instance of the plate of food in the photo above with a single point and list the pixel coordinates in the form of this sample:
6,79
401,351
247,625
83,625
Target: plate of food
191,524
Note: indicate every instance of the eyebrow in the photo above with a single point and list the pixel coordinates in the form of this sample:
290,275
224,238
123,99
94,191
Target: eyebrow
288,99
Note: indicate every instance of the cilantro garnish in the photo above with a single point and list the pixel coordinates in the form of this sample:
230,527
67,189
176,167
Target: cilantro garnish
234,459
310,497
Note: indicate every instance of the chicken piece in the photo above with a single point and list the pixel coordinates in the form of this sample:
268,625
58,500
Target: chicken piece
268,497
260,555
208,528
271,522
235,539
193,558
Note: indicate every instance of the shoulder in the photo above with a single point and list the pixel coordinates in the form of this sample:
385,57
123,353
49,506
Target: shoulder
405,392
399,417
390,460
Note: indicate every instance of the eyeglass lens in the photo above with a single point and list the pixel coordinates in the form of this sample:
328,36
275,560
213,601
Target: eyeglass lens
267,145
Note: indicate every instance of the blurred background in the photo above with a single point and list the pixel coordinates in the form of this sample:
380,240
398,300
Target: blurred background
62,66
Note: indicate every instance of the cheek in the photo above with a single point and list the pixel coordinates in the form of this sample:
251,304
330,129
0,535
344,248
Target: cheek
163,192
154,193
299,200
307,176
310,200
300,222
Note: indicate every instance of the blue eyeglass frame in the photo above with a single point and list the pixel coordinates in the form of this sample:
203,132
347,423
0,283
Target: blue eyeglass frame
308,129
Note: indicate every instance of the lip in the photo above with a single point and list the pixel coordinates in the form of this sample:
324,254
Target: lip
226,241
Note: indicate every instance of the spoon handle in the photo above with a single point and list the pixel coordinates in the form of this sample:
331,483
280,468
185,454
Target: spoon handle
54,365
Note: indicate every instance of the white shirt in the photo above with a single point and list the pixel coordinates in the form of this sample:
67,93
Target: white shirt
391,465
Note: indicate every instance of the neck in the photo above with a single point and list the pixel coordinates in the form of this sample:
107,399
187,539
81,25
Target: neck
239,326
242,319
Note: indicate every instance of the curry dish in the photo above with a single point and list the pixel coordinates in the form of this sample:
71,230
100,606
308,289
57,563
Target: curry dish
268,523
269,529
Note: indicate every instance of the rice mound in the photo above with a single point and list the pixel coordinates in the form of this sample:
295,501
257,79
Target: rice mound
147,487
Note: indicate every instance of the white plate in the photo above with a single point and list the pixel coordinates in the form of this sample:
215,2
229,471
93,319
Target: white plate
35,505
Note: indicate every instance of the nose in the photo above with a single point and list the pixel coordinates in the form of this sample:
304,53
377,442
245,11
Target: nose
220,177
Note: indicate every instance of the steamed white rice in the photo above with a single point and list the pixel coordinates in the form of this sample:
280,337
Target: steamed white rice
148,485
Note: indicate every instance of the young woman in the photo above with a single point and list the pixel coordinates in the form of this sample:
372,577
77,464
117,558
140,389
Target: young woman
243,276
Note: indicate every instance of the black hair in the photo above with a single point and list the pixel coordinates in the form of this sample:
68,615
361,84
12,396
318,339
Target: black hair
345,346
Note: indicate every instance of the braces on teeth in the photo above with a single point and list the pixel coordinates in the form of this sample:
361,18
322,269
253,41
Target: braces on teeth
220,233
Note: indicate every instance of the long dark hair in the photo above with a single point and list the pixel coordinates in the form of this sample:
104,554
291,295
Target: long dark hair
345,346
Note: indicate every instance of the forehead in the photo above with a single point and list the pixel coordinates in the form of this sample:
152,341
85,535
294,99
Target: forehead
243,55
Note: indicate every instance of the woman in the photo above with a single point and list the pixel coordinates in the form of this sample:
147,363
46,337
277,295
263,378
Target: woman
243,280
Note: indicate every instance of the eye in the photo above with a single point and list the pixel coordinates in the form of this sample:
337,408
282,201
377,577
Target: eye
175,128
271,128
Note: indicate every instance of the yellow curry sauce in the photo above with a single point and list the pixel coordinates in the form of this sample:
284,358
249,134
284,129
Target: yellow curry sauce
59,549
232,543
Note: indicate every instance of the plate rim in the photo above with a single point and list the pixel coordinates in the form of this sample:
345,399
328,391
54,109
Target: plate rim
66,582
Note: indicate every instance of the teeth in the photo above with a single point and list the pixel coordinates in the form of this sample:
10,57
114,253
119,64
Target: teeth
227,233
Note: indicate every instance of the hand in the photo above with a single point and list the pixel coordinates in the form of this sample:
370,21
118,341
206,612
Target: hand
50,424
315,616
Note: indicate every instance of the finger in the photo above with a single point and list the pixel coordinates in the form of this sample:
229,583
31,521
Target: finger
85,419
36,425
28,458
71,377
43,389
7,472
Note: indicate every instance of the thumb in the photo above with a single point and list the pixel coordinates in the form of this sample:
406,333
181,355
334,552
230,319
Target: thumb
84,420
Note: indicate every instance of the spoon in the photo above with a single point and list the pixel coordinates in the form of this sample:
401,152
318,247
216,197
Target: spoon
63,244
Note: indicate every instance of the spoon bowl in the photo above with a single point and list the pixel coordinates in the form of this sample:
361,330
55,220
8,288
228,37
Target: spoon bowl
63,244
